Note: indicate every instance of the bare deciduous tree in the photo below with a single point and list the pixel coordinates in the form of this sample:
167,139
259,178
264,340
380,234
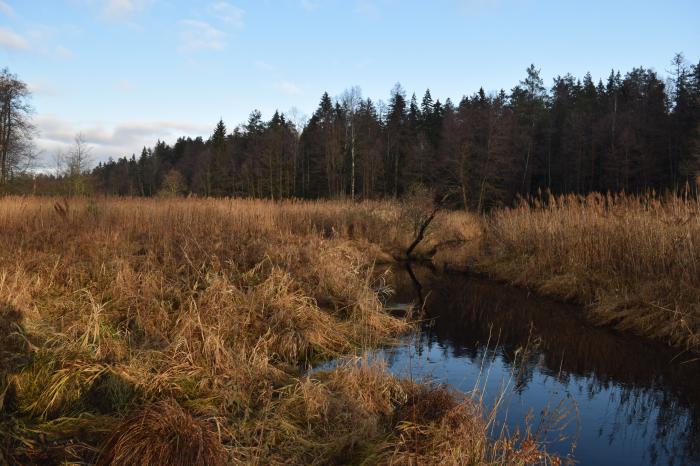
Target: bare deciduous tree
351,100
78,164
173,184
16,129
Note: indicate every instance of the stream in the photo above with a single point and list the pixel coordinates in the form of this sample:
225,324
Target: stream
601,396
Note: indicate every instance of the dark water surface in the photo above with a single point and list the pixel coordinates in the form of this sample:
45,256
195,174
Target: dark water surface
625,401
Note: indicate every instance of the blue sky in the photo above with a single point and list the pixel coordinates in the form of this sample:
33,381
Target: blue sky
127,72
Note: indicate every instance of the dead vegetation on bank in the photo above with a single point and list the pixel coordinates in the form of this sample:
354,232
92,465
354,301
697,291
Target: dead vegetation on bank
633,260
180,330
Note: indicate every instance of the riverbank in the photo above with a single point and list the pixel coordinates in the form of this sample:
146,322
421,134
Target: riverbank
619,399
632,261
177,331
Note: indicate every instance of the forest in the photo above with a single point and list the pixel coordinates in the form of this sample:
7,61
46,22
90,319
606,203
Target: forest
633,133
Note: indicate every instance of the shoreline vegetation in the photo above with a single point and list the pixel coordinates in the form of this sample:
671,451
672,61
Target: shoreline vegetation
179,331
631,260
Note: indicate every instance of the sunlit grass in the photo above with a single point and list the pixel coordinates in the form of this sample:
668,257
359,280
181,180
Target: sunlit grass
179,331
633,260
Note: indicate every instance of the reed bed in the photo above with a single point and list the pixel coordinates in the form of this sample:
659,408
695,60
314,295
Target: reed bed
634,261
178,332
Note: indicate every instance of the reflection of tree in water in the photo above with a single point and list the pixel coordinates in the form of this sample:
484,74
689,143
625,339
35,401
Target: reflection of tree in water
652,397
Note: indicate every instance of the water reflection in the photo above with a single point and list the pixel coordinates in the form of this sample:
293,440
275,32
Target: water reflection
638,402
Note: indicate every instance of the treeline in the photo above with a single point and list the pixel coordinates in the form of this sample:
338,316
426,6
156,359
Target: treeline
631,133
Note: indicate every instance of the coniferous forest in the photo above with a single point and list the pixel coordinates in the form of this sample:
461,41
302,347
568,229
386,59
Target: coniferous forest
635,132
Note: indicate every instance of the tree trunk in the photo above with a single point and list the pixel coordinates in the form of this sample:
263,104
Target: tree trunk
352,155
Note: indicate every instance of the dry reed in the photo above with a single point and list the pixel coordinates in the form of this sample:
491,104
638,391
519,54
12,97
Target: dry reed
632,260
183,327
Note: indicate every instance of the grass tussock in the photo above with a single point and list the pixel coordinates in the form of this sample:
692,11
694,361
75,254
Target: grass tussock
178,332
435,427
162,433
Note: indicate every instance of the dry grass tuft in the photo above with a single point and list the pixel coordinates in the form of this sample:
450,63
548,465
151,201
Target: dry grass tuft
436,427
427,404
162,433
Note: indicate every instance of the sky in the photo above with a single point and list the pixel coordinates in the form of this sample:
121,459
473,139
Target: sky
125,73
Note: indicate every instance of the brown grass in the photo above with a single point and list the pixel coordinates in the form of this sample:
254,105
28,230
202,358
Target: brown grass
162,433
634,261
110,308
178,331
436,427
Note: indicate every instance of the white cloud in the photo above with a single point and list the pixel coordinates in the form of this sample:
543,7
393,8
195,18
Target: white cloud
200,35
62,52
480,6
113,10
227,13
125,85
264,66
308,5
122,9
45,88
123,139
6,9
39,40
12,41
367,8
52,128
288,88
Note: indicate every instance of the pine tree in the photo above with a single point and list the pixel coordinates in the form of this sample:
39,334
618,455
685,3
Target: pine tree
427,105
220,170
529,104
396,126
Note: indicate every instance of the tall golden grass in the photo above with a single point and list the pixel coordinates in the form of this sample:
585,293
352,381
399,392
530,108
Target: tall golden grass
633,260
125,323
178,331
